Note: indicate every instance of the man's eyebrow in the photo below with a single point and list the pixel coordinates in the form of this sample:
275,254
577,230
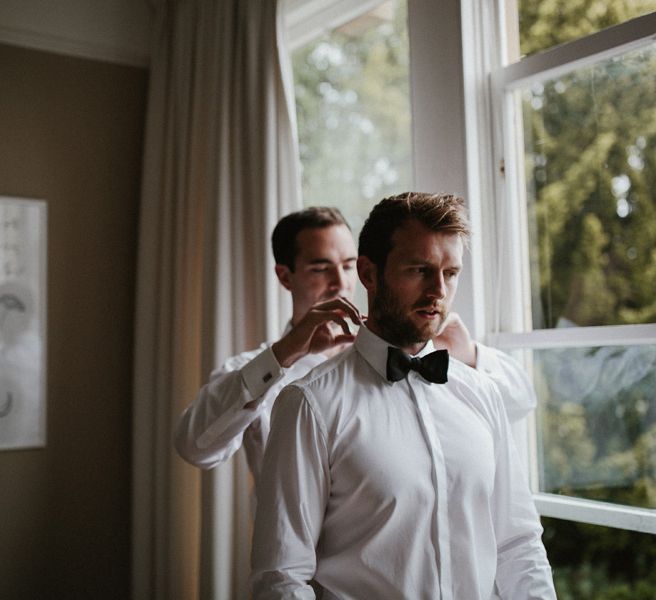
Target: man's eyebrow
422,261
415,260
326,261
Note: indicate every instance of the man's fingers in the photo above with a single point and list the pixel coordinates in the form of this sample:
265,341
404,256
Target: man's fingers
342,304
355,315
343,340
341,322
316,319
318,316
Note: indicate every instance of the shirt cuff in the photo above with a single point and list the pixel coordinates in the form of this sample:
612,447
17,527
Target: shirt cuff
487,360
261,373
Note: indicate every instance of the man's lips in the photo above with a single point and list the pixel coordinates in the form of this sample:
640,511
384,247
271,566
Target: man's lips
429,312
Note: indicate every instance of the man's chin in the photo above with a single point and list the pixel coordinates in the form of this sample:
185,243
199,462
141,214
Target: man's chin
428,331
415,336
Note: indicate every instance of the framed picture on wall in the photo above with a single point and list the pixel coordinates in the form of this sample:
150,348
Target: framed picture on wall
22,323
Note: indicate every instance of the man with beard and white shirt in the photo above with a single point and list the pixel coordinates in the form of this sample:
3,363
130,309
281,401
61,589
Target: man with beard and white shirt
315,261
384,476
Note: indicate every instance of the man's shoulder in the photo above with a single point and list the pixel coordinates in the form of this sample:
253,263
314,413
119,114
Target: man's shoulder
329,391
329,373
331,386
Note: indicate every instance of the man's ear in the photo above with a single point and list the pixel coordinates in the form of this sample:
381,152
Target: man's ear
284,276
367,271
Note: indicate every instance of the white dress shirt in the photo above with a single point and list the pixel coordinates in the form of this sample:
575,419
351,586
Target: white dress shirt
213,427
406,490
234,407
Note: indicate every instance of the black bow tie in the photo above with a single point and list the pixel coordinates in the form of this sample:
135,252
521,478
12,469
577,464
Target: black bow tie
432,367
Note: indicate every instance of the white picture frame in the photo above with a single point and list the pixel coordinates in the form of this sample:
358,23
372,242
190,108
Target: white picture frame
23,256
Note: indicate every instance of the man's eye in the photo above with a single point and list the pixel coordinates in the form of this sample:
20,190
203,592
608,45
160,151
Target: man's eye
318,269
348,267
450,274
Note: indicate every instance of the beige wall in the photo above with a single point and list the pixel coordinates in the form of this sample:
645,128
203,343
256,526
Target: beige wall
71,133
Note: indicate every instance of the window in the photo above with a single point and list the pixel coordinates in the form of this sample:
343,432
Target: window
574,182
353,106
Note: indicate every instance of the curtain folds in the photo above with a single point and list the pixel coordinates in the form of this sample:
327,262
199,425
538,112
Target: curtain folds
220,168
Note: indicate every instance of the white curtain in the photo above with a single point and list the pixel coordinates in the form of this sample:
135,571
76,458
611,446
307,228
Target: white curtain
220,168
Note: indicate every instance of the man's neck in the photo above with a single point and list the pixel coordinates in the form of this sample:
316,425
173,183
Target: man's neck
412,349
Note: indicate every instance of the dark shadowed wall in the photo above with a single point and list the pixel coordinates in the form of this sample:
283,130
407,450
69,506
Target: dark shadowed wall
71,133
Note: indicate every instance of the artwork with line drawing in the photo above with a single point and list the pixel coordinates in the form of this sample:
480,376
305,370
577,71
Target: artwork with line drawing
22,322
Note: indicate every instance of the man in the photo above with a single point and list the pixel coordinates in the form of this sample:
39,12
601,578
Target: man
378,483
315,260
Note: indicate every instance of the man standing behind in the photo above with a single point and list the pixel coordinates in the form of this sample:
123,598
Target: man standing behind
315,260
381,478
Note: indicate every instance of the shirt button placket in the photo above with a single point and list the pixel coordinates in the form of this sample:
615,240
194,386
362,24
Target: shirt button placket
418,392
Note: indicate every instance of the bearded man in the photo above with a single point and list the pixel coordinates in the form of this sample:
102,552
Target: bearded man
385,475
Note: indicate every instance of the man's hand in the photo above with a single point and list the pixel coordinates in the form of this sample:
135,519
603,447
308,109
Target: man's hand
322,329
454,336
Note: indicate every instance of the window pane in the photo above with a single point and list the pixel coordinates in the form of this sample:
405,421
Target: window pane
353,107
590,156
546,24
599,563
597,423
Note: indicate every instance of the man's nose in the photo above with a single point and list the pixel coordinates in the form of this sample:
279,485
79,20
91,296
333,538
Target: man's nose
339,280
436,287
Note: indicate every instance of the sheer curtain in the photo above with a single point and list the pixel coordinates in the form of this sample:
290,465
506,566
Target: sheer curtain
220,168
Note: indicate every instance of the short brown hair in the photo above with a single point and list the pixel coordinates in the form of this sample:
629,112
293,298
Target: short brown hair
283,238
438,212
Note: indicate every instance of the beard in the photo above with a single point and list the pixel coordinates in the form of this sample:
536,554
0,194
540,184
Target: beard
393,323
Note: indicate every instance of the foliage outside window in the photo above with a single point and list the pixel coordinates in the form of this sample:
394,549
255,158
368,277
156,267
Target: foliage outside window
547,23
591,562
586,175
353,112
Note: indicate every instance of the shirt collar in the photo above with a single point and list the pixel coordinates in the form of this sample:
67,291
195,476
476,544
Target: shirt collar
374,350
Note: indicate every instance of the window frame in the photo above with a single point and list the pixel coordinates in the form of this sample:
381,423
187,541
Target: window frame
306,20
501,179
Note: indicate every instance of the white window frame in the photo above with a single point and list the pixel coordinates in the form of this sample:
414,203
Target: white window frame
306,20
490,109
